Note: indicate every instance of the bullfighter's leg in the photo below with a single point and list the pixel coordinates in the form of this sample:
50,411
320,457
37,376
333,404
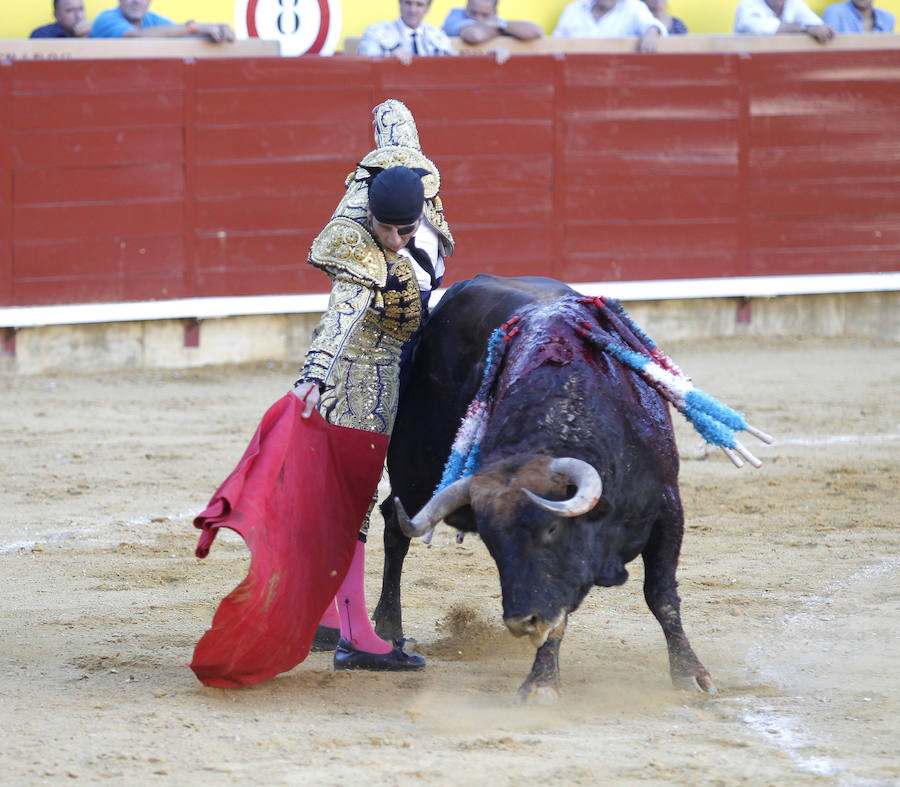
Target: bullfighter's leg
359,647
388,615
542,684
660,590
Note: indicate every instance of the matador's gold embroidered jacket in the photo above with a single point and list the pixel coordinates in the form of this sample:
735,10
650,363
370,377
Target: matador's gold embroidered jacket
375,306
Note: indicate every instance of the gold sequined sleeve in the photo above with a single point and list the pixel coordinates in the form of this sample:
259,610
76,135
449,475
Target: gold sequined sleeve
346,308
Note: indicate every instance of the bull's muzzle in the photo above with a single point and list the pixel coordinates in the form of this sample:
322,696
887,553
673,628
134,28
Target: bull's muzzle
534,626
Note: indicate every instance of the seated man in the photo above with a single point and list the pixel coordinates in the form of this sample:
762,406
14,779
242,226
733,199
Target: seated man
407,37
611,19
858,16
478,22
133,19
71,21
767,17
674,26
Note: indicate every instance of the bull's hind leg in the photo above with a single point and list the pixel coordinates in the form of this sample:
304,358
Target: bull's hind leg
541,687
387,615
660,590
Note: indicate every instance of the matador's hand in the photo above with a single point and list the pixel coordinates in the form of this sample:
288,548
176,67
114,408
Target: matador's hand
308,393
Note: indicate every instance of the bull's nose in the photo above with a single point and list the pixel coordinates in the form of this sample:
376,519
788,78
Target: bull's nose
524,625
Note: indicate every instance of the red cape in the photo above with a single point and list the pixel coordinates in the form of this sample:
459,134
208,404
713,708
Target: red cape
297,498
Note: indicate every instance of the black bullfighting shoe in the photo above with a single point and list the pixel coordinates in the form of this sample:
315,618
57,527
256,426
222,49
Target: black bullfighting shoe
326,638
348,657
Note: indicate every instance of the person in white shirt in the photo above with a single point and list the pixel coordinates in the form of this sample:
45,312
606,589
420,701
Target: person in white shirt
407,37
769,17
611,19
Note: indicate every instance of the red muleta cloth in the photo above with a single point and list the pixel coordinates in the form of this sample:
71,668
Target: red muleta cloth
297,498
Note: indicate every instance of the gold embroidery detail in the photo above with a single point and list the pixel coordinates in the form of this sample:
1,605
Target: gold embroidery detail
394,125
348,248
402,306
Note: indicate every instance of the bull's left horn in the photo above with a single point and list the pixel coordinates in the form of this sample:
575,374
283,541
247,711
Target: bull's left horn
588,485
445,502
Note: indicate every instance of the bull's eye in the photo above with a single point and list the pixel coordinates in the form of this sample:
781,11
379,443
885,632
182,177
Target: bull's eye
549,533
571,491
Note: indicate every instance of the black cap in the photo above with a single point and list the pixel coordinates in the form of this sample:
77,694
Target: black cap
396,195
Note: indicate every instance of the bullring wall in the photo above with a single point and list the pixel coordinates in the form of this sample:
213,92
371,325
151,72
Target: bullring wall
132,180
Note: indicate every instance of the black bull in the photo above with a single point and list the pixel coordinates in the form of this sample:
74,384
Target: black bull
555,397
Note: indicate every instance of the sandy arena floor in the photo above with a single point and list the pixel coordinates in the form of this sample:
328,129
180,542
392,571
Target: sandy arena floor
790,582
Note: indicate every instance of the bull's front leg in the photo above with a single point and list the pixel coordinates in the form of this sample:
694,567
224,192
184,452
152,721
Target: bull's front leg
388,616
541,687
660,590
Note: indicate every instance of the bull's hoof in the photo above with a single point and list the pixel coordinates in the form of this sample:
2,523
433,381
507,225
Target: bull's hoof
698,680
389,631
537,693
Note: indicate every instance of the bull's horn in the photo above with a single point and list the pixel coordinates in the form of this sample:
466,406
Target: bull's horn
445,502
588,485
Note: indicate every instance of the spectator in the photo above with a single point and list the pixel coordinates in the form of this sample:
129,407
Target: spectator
478,22
132,19
674,26
71,21
407,36
767,17
858,16
611,19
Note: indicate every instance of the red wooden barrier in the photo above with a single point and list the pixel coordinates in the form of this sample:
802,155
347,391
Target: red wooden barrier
158,179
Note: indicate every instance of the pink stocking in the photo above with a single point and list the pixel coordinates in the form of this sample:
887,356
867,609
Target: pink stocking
351,601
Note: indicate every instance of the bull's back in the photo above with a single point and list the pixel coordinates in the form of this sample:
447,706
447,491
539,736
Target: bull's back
446,372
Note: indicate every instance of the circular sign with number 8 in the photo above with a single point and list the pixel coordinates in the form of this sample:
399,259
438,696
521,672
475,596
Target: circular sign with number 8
301,26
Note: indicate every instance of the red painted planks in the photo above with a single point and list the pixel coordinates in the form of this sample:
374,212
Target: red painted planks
519,140
287,142
271,179
107,110
319,73
671,70
786,68
472,172
6,187
266,214
653,101
79,258
870,232
259,280
656,196
259,105
651,237
472,71
219,254
59,185
92,147
92,77
100,289
469,104
98,220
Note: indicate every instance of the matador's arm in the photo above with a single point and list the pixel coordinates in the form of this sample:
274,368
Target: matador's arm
346,308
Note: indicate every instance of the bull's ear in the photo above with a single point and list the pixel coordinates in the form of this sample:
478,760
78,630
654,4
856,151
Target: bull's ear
462,519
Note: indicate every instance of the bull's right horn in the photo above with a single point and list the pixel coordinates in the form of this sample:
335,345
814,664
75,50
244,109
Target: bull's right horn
587,482
445,502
